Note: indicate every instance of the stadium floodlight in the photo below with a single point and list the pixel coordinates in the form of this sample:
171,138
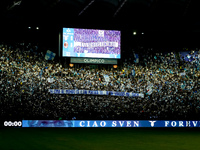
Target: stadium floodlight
142,32
115,66
71,65
18,3
29,27
134,33
37,28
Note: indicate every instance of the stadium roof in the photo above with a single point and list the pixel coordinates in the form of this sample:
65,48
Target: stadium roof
128,13
164,23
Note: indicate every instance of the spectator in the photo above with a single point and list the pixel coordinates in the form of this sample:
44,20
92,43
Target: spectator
171,88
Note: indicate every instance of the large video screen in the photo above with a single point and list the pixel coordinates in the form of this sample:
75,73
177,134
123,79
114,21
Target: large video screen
91,43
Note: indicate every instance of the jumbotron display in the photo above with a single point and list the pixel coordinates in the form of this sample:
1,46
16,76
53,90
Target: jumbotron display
91,43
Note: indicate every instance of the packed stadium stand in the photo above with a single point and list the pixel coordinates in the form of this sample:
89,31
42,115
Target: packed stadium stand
24,88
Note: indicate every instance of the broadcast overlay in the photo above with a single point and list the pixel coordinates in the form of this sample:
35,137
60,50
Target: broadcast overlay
91,43
102,123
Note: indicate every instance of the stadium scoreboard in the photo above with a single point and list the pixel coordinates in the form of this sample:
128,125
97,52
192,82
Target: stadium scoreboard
91,43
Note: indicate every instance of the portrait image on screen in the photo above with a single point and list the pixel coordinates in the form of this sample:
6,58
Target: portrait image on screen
91,43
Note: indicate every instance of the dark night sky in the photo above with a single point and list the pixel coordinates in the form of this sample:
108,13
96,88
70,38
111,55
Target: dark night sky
165,23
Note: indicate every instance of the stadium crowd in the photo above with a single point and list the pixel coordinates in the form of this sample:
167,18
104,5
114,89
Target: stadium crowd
170,86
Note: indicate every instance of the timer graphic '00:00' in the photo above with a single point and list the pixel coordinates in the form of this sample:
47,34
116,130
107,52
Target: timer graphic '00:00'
12,123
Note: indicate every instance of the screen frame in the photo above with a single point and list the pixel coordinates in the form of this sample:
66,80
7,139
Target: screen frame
61,43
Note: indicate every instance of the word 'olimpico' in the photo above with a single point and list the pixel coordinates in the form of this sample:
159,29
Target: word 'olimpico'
94,61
